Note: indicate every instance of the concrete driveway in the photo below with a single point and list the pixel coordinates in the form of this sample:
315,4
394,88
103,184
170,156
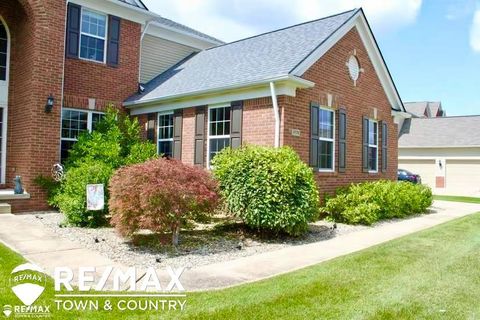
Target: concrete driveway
46,249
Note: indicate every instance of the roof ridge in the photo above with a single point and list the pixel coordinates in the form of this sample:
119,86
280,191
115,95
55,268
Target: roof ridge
281,29
449,117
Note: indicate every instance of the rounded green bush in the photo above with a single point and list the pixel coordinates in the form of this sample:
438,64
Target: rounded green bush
72,196
268,188
368,202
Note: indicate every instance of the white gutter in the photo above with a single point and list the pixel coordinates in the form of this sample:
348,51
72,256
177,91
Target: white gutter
276,114
299,82
141,46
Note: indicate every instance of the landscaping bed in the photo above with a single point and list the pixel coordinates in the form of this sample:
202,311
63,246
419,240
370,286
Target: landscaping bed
221,240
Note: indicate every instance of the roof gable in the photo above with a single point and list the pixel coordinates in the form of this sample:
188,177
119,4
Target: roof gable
282,53
359,21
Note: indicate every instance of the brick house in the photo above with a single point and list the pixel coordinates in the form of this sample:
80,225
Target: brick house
321,87
82,56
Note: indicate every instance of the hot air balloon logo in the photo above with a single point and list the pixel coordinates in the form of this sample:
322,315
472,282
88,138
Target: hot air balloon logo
28,282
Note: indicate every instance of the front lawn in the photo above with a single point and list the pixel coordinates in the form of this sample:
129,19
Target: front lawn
432,274
457,198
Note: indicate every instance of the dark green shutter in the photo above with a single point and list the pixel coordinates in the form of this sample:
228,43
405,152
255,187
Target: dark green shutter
177,134
113,41
236,124
199,154
73,30
314,135
151,126
365,145
384,146
342,140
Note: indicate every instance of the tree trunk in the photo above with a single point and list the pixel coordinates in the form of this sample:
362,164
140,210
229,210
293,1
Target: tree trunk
175,233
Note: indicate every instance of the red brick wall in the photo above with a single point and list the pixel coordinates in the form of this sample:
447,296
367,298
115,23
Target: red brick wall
331,76
35,72
89,79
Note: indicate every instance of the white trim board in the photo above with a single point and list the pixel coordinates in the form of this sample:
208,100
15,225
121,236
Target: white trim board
360,23
283,88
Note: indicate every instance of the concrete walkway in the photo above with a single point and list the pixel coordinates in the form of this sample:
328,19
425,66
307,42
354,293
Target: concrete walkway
46,249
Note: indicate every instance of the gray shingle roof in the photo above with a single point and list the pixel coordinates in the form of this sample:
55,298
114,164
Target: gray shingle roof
416,108
258,58
184,28
440,132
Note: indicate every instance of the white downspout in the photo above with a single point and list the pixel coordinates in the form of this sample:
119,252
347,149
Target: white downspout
276,114
141,46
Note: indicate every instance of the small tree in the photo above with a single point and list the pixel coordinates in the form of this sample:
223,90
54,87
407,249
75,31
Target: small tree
160,195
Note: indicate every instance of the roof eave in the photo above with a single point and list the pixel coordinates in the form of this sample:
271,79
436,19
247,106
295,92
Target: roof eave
293,80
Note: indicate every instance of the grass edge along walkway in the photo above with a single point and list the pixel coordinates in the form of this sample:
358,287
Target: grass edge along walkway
431,274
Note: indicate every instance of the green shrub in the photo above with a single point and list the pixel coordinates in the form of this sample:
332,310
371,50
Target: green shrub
93,158
368,202
268,188
71,198
49,185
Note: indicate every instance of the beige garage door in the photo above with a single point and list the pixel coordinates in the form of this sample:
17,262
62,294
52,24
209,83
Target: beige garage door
463,177
425,168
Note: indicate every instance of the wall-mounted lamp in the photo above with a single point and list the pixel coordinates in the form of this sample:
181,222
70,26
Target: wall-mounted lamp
440,165
50,102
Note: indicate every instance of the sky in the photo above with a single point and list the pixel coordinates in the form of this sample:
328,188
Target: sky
432,47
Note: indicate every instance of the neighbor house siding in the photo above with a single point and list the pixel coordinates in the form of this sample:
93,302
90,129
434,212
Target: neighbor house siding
331,77
159,54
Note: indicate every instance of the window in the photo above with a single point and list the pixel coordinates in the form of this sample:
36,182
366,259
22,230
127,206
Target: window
75,122
372,146
165,134
93,29
218,130
326,126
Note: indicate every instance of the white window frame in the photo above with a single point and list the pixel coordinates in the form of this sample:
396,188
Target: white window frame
218,106
89,123
93,36
158,130
371,122
332,140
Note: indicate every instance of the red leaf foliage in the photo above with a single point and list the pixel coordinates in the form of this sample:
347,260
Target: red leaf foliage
159,195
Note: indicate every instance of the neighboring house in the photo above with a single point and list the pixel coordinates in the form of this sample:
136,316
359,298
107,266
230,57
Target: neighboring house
425,109
445,151
80,58
321,87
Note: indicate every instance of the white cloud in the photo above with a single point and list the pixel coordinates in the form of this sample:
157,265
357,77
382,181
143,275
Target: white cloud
236,19
475,32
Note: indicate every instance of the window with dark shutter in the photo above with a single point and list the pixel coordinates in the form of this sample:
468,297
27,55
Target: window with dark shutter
236,127
199,157
314,135
113,41
384,147
73,30
342,140
151,127
177,133
365,159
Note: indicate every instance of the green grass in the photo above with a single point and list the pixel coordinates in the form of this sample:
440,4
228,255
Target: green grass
433,274
457,199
